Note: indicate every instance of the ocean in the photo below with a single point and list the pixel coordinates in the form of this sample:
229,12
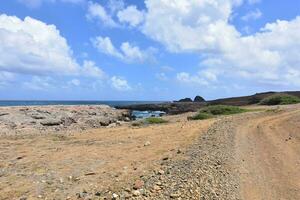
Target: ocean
46,103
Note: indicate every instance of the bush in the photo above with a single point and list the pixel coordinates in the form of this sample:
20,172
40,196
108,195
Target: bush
210,111
280,99
222,110
155,120
200,116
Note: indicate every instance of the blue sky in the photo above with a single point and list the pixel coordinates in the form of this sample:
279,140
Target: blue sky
147,50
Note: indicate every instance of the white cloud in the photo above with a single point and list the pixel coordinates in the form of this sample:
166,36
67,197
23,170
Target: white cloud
98,12
127,51
104,45
40,83
132,53
161,76
251,2
131,15
74,82
120,84
252,15
189,25
167,68
115,5
202,27
90,69
33,47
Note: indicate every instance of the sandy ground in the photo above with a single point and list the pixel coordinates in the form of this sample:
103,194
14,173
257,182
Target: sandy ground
251,156
61,166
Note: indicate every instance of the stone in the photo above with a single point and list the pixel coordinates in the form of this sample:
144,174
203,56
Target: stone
67,121
174,195
136,193
115,196
51,122
147,143
165,158
161,172
138,184
3,114
156,187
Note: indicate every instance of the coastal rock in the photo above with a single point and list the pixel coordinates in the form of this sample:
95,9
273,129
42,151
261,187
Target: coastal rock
51,122
199,99
186,100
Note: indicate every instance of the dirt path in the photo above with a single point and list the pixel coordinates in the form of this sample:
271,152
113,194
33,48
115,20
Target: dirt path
252,156
268,155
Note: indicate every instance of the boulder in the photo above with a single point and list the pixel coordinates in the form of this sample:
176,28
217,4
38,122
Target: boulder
199,99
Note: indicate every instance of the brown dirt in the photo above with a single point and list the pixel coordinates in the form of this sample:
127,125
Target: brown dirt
268,153
59,166
251,156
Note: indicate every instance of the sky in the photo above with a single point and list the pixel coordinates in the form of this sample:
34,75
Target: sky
147,49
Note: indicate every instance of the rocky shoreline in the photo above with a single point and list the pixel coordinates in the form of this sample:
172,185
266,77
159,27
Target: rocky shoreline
43,119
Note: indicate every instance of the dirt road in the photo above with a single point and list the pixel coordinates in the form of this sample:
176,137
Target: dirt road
252,156
268,155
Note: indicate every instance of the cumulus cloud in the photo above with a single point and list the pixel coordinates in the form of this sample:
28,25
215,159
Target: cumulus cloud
115,5
202,78
90,69
97,12
131,15
40,83
32,47
127,52
120,84
252,15
202,27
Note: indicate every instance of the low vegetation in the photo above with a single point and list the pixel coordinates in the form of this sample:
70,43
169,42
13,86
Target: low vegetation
215,110
151,120
155,120
280,99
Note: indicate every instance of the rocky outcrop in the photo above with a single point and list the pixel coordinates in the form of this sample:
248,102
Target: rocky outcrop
186,100
199,99
56,118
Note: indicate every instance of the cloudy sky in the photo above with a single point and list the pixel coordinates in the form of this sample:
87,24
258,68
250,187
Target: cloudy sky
147,50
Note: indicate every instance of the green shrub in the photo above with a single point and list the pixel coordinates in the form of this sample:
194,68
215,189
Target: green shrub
200,116
155,120
222,110
211,111
280,99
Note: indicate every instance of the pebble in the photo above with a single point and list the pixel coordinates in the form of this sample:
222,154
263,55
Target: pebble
138,184
136,193
147,143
